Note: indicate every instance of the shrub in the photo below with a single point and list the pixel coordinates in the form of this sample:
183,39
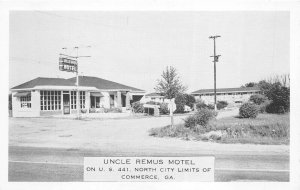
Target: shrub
258,99
201,118
262,107
83,110
221,104
210,106
112,110
190,121
248,110
180,103
280,97
164,109
137,107
168,131
190,100
92,110
200,105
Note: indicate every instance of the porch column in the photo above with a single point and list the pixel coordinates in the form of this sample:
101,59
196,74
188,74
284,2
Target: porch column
88,101
119,99
128,98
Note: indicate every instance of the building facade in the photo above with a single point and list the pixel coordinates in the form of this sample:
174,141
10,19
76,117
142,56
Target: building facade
57,96
230,95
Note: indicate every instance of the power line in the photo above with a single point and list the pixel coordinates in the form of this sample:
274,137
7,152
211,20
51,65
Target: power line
97,24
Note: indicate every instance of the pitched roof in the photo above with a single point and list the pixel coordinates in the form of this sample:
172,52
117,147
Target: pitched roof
101,83
242,89
41,81
83,81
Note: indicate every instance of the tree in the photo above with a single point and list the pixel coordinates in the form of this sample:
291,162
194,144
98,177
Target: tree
180,102
264,86
280,96
250,84
258,99
190,100
170,85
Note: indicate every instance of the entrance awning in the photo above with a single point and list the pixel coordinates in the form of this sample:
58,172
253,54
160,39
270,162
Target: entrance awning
97,94
19,94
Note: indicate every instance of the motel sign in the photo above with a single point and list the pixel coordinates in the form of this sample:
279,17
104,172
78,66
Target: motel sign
67,63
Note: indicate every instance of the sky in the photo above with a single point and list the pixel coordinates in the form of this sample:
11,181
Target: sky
133,48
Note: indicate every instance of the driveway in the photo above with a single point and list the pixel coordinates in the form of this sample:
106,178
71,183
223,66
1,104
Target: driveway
120,135
39,147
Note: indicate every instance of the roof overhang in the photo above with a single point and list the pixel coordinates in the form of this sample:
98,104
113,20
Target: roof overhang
196,93
24,93
96,94
82,88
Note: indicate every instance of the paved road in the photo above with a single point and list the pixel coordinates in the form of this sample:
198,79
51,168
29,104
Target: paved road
59,164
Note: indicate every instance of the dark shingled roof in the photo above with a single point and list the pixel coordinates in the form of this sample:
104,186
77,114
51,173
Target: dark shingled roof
101,83
41,81
242,89
83,81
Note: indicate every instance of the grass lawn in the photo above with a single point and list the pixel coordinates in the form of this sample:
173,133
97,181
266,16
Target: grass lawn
265,129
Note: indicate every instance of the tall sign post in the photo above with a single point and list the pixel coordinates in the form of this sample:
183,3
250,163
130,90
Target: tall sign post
77,87
70,64
216,59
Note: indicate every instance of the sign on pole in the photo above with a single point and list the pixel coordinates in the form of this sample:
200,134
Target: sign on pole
67,63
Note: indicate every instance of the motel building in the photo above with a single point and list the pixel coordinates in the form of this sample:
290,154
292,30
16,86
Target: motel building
233,96
57,96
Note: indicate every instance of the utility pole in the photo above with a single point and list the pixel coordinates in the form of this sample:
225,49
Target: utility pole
77,82
216,59
77,86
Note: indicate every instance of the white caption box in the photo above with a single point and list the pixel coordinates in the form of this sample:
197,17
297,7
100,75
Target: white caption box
198,169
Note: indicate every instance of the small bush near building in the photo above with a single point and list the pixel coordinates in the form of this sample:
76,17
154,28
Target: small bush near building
92,110
201,105
164,109
83,110
248,110
112,110
258,99
200,118
221,105
137,107
210,106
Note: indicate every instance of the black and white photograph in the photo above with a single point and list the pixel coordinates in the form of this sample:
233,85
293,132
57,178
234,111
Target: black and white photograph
149,96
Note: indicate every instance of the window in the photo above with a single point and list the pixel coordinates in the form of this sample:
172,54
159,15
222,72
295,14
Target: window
82,99
25,101
95,102
73,99
50,100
